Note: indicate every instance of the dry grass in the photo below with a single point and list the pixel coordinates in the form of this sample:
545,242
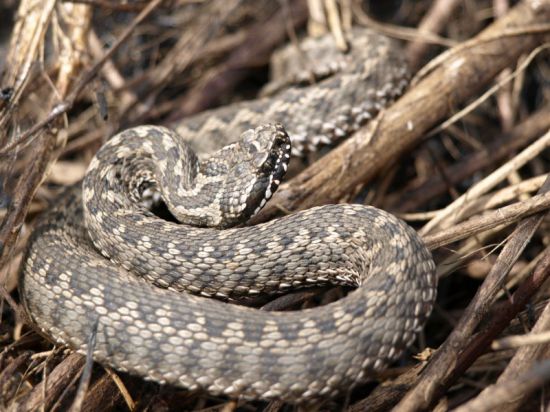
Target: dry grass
466,150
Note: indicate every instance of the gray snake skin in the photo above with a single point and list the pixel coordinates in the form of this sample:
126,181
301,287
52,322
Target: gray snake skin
101,261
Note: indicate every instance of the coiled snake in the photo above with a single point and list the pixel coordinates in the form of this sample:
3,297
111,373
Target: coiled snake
79,274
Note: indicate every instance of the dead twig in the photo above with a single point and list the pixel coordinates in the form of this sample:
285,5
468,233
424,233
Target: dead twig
517,341
477,224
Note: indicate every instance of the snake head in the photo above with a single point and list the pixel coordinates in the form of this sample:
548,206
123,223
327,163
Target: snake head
267,147
259,160
242,176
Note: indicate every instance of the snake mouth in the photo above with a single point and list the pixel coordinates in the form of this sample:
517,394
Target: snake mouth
281,166
272,170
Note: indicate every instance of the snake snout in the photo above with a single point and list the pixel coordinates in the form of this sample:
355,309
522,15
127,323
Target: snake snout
268,148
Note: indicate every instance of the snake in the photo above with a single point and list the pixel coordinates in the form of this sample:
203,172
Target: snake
158,296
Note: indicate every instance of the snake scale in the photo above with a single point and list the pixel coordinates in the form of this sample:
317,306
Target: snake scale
100,261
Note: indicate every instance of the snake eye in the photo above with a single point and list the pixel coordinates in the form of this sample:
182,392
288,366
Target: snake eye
252,147
260,159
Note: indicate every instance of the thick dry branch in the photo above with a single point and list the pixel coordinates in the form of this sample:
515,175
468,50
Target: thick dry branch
358,160
103,395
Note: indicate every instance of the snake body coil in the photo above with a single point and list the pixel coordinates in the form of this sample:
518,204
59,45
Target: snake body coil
79,274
